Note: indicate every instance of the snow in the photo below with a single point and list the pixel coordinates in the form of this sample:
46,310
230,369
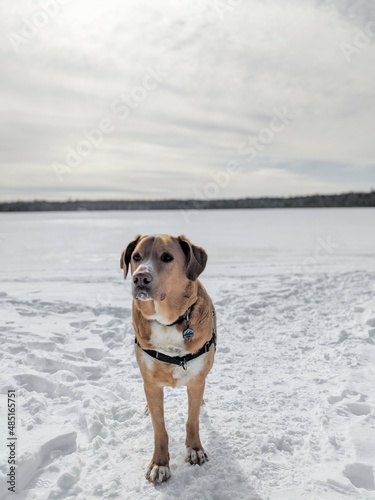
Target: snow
290,403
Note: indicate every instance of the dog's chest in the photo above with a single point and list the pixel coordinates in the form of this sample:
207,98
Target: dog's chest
169,341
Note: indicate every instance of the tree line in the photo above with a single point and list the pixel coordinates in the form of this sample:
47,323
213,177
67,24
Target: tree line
315,201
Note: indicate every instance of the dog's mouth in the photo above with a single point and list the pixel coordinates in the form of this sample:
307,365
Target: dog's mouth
142,293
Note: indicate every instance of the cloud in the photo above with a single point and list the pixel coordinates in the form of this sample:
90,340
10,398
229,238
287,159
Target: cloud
228,66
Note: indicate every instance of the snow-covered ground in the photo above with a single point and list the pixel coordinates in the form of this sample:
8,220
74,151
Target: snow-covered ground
290,402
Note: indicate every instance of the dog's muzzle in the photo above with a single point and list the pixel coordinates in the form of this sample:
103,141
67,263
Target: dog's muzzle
142,285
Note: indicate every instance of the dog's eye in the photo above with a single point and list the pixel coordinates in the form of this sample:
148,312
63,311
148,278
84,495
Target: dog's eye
166,257
137,257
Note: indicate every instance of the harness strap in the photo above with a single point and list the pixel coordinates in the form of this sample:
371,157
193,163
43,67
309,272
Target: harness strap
182,360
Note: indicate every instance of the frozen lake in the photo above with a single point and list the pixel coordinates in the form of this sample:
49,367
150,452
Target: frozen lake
262,241
290,402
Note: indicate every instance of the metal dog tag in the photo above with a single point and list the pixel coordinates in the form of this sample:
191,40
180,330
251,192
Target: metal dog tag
188,333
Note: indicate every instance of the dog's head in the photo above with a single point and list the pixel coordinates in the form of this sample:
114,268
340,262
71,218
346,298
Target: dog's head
162,265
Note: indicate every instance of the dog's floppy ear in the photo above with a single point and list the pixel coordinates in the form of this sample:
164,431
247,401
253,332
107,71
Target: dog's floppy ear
127,253
196,258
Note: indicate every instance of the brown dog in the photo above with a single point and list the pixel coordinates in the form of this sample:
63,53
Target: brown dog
175,334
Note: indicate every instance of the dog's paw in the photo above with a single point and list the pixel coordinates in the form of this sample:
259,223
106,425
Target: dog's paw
158,473
195,457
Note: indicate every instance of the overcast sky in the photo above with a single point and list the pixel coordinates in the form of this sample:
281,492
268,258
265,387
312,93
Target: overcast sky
282,90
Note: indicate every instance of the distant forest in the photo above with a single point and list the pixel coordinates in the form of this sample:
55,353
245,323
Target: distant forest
315,201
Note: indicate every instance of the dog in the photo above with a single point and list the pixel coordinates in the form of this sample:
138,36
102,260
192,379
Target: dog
174,323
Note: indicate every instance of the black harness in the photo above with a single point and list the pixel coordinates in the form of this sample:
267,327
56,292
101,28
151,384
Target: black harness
183,360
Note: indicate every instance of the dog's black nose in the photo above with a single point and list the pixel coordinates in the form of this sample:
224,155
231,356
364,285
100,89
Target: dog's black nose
142,279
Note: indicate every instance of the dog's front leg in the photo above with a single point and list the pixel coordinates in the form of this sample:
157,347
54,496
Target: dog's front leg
158,469
195,453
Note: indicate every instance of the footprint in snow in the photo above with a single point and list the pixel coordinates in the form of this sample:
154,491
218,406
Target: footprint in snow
359,309
25,312
95,354
344,335
224,350
360,475
37,383
79,325
371,336
347,394
359,408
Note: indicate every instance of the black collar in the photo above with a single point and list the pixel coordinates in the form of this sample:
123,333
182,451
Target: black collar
184,317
